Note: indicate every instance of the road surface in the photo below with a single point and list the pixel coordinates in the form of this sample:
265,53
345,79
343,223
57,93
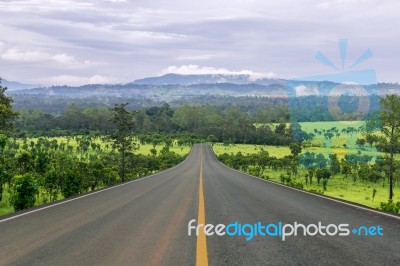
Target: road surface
146,223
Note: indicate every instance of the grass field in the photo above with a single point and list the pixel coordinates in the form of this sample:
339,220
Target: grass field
340,145
6,208
338,186
106,145
248,149
344,188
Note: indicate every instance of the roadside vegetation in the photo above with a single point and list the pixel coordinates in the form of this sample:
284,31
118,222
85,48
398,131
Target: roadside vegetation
353,182
350,160
62,150
41,170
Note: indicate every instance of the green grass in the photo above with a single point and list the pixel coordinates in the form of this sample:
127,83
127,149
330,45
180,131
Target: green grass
338,187
248,149
142,148
326,125
318,145
6,208
344,188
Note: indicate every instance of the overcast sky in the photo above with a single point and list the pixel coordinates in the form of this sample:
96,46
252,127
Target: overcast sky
116,41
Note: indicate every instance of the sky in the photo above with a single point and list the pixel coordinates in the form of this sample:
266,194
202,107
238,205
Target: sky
75,42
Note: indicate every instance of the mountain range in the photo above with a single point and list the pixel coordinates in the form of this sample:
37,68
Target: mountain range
172,86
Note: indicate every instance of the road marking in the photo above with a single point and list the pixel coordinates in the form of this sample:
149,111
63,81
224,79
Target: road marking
91,193
201,250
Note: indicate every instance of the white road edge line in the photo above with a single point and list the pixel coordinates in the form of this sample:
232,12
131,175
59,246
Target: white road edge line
309,193
93,193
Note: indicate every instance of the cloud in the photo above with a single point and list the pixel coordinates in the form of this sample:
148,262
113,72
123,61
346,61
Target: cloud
198,70
43,5
65,59
196,57
37,57
73,80
138,38
306,91
115,1
28,56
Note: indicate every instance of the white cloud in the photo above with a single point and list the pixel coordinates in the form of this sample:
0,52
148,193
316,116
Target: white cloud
197,70
73,80
43,5
196,57
28,56
64,59
306,91
37,56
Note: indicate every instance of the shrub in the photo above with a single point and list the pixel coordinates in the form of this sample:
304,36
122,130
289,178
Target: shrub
294,184
390,206
23,191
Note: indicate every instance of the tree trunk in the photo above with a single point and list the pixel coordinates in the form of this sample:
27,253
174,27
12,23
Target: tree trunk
391,170
123,163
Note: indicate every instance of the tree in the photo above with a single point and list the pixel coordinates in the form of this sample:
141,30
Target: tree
72,184
324,174
334,164
311,173
7,114
24,191
390,106
360,142
295,149
320,161
346,168
124,122
3,173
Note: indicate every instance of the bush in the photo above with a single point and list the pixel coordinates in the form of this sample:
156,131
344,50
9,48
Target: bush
23,191
295,184
72,184
390,206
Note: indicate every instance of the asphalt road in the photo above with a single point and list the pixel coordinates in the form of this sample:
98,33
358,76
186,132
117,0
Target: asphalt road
146,223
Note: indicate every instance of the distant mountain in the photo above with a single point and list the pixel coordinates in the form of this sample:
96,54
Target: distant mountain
13,85
156,92
173,86
186,80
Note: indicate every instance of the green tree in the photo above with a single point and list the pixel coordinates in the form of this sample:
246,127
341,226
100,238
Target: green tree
23,191
371,139
390,106
72,184
295,150
3,173
324,174
25,162
51,184
334,164
124,123
7,114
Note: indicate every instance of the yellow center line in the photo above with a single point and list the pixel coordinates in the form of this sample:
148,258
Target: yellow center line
201,251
